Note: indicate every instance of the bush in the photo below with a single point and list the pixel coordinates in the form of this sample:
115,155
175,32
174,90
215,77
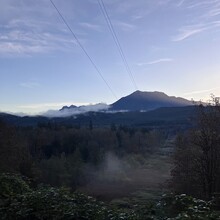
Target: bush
12,184
186,207
20,201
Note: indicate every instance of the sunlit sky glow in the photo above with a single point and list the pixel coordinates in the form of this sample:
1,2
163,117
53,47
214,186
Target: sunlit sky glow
170,45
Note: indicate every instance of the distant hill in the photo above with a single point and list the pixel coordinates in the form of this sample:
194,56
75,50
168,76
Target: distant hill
141,109
165,117
138,101
22,120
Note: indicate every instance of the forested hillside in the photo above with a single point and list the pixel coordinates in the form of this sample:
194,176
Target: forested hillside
48,170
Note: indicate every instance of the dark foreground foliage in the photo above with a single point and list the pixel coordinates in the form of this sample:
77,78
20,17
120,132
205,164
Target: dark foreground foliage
196,156
18,200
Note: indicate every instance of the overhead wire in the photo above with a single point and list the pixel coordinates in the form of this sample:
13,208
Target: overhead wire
117,42
84,50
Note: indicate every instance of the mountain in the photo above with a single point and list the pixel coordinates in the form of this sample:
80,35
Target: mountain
159,111
146,101
137,101
75,110
68,107
22,120
165,117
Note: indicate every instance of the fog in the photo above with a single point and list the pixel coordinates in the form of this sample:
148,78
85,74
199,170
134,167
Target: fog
120,177
70,111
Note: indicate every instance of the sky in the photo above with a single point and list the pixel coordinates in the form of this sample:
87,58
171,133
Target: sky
170,46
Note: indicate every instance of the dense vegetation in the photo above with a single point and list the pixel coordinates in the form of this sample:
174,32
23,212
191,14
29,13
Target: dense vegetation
68,156
20,201
197,156
48,170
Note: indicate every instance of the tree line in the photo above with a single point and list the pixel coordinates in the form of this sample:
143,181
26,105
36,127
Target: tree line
197,155
59,155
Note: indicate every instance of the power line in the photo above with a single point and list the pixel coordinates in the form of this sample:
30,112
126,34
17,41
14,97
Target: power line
84,50
116,40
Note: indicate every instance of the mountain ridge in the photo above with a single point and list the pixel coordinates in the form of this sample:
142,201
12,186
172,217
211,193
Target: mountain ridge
142,100
139,100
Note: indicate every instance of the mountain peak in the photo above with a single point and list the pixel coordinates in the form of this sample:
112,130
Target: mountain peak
147,93
140,100
136,101
68,107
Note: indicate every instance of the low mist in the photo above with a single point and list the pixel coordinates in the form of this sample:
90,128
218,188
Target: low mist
120,177
70,111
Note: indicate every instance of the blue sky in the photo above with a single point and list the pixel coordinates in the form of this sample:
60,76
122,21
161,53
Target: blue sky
170,45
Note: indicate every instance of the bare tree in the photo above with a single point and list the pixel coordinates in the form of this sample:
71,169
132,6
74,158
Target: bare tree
198,154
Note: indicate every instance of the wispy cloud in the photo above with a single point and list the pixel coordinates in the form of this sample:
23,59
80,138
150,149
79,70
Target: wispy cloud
29,85
162,60
201,91
25,31
213,12
29,42
189,31
90,26
207,4
203,16
137,17
180,3
125,26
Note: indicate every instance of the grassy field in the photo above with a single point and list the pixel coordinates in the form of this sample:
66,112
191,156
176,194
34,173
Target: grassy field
137,179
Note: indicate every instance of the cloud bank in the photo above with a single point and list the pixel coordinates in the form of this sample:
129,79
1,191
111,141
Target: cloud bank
70,111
